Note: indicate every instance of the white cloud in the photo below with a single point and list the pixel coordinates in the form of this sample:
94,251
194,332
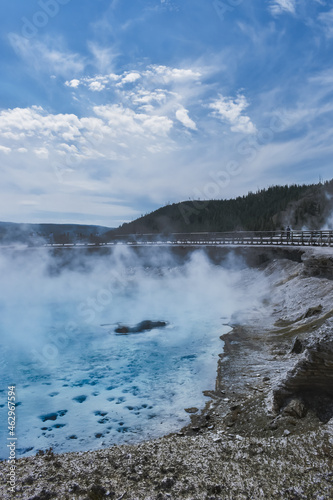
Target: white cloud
326,20
114,151
12,135
128,122
133,147
154,75
157,125
167,74
231,111
34,121
48,55
42,153
145,97
281,6
131,78
182,116
151,76
103,57
111,132
157,90
73,83
139,146
96,86
96,83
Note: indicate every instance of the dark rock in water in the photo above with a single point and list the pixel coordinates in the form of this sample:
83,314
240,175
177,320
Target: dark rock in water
53,416
62,413
297,347
122,329
143,326
49,416
80,399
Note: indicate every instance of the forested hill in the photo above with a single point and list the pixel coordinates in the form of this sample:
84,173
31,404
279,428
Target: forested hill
52,233
300,206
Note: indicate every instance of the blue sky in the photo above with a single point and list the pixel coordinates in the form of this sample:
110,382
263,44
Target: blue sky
110,109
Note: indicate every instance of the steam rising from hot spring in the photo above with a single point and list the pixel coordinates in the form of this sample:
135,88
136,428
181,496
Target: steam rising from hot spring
59,347
38,293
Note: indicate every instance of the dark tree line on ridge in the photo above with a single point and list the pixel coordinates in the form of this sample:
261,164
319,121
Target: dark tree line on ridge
274,208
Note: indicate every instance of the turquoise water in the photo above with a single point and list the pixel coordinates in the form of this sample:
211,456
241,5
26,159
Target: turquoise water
81,387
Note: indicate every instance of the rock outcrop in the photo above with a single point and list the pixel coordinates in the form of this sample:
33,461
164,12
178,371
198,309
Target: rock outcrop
313,311
318,264
297,347
311,380
295,408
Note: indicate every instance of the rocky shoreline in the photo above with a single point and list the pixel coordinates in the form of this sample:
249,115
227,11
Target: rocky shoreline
266,433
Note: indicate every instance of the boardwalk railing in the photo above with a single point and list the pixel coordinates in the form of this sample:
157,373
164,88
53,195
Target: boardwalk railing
237,238
302,238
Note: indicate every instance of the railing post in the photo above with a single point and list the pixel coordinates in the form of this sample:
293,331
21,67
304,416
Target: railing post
326,238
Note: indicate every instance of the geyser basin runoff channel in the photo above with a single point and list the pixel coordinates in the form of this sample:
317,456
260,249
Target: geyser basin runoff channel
79,385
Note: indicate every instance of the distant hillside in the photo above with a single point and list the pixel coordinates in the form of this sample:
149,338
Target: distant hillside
300,206
56,233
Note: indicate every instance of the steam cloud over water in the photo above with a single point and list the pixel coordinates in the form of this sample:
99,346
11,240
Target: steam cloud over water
79,385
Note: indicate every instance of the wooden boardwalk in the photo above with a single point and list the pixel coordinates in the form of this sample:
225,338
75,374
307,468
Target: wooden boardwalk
235,238
243,238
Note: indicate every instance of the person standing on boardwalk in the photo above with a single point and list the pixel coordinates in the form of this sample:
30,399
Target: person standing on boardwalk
288,233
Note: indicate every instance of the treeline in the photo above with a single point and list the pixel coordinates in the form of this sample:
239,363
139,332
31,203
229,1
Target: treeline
266,210
33,234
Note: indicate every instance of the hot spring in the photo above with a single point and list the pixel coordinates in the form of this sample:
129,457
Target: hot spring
79,385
